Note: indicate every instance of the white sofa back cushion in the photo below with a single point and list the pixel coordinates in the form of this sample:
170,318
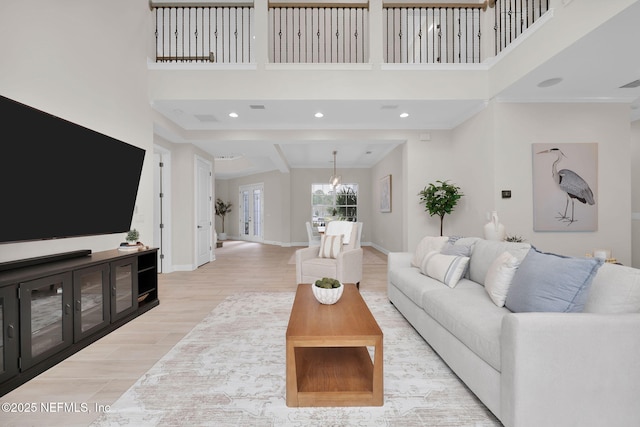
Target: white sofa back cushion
615,289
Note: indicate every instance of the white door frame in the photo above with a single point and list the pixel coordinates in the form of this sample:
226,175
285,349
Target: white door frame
206,223
162,236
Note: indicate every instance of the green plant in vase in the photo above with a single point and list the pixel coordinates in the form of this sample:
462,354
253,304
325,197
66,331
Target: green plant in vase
222,209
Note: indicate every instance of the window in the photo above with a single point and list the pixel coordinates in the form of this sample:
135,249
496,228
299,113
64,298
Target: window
327,203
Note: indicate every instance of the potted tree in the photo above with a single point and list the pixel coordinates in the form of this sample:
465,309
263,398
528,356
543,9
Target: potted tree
222,209
440,199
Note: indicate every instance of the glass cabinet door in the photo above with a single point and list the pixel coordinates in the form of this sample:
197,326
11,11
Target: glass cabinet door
46,317
124,287
9,335
91,300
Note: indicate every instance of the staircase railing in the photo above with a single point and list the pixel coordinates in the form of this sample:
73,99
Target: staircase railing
513,17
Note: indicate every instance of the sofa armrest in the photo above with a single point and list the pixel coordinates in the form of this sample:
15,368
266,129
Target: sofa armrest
302,255
570,369
398,260
349,265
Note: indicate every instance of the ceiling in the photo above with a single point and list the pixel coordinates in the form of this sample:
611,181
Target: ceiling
592,70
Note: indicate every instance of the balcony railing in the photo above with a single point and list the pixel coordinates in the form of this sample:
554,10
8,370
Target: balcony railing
318,34
420,34
432,34
204,34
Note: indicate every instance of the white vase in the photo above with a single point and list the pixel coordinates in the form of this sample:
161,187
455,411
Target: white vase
493,230
222,236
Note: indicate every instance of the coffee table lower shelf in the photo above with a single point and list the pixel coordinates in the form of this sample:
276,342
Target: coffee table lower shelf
334,376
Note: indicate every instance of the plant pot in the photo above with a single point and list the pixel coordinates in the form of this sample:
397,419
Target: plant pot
222,236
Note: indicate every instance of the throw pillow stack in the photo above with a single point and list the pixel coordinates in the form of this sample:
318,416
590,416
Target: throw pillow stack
535,282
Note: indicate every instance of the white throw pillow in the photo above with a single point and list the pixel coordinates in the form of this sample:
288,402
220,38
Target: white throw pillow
499,277
426,245
448,269
330,246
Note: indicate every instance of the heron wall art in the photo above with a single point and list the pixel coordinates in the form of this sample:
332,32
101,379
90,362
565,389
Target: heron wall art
565,187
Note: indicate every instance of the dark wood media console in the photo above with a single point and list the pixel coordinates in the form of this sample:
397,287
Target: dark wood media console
51,310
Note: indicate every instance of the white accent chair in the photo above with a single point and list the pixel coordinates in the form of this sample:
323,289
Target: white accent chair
346,267
314,238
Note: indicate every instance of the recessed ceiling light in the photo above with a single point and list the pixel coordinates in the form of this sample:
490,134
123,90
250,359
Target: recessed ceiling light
319,115
550,82
403,115
234,115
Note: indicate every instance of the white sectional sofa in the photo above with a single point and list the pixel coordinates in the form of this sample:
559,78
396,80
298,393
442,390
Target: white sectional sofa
529,368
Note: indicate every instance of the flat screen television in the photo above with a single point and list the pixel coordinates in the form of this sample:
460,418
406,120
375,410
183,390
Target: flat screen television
59,179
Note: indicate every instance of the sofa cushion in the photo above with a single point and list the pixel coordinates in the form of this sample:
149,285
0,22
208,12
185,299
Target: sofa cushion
615,289
499,277
330,245
551,283
412,283
447,269
468,313
486,251
426,245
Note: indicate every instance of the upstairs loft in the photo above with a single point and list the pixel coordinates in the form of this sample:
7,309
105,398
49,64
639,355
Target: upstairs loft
345,32
502,50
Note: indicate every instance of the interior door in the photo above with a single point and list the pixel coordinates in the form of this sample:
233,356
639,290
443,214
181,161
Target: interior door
252,212
204,207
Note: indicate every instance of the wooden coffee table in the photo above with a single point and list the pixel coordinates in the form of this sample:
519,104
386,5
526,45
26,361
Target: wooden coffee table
328,363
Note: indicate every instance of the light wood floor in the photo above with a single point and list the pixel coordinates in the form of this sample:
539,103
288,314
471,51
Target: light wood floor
102,372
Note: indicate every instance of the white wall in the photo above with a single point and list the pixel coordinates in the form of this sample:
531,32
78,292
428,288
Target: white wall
81,61
520,125
385,229
635,193
492,152
276,205
183,188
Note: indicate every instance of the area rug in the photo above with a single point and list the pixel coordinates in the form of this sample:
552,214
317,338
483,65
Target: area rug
230,371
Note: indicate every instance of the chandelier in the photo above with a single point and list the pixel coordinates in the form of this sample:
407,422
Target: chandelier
335,178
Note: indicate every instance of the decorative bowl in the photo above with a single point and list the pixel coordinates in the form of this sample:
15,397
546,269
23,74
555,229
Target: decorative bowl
327,296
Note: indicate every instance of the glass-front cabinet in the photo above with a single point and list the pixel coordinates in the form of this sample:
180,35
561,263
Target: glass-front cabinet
53,306
46,317
91,300
124,287
9,336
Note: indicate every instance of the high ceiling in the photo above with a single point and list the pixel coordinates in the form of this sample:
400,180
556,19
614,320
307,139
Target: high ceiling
592,70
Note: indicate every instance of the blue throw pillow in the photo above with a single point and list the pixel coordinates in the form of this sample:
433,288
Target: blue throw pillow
552,283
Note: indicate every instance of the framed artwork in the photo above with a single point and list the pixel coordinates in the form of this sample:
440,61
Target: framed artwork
565,187
385,194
